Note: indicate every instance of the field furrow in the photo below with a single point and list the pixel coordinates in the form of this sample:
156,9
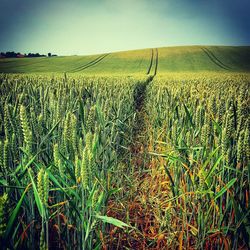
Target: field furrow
151,62
214,59
90,64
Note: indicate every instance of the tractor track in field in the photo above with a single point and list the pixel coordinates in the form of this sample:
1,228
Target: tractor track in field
151,61
141,88
156,62
214,59
139,145
89,64
131,206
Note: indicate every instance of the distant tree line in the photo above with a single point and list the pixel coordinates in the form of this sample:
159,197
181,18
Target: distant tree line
12,54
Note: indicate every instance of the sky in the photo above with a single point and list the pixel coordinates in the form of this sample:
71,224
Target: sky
81,27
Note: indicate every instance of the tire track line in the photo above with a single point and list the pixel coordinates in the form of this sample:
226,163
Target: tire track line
156,62
151,62
89,64
138,157
79,67
214,60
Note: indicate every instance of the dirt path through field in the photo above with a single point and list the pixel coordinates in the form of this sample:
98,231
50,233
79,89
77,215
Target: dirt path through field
134,207
139,146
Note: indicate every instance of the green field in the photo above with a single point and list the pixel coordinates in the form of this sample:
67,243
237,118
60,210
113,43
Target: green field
144,149
170,59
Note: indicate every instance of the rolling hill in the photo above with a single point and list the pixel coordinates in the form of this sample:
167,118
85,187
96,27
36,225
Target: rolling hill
164,60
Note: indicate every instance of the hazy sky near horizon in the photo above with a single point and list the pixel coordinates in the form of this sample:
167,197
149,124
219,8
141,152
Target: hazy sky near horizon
68,27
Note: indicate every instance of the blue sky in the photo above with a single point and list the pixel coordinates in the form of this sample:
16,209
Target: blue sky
68,27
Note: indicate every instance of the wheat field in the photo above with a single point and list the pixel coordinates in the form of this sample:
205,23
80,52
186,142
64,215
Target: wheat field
115,162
